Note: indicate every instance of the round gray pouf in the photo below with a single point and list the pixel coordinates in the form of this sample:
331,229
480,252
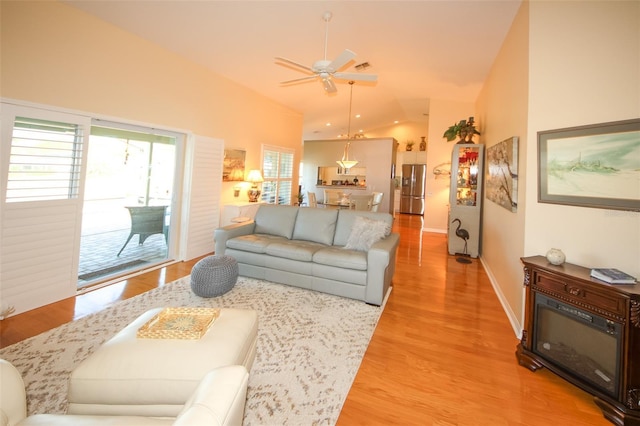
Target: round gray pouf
214,276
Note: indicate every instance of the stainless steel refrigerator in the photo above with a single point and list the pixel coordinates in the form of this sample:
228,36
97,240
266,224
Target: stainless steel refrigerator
412,191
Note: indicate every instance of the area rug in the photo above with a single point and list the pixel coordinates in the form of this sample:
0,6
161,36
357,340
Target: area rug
310,346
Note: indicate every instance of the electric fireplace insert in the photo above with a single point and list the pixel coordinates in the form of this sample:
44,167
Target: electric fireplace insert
584,344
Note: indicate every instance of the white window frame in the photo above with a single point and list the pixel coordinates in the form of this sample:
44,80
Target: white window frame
278,179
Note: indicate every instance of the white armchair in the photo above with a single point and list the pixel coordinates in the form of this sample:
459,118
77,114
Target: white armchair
219,400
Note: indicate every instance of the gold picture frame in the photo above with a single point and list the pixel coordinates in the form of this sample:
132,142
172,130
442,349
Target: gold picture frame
233,165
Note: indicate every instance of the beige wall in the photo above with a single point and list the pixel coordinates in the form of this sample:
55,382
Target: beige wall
403,132
584,68
56,55
563,64
503,105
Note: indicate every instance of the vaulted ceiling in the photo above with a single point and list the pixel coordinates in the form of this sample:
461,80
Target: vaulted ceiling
420,50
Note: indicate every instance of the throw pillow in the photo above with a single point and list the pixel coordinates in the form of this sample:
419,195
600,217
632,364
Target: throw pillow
365,232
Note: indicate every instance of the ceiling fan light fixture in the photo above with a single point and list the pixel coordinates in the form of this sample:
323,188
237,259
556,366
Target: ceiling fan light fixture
329,85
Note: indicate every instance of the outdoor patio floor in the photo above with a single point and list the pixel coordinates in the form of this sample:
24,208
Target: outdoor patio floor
99,260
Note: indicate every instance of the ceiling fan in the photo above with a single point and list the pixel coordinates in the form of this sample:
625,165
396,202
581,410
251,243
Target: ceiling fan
327,70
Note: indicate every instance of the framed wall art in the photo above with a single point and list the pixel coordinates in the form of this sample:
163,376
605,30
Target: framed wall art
501,185
233,165
591,166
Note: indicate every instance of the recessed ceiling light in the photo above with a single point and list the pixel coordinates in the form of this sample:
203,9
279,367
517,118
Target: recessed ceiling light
396,122
328,124
357,115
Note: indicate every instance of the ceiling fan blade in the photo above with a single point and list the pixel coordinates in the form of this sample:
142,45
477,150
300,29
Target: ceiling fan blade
355,76
341,60
299,80
295,64
329,85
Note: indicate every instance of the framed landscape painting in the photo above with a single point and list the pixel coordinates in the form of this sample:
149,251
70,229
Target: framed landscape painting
233,165
501,185
591,166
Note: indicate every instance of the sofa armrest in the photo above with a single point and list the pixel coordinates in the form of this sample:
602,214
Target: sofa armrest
13,398
222,235
381,263
219,399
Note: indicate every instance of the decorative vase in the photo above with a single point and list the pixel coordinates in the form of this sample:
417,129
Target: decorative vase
423,144
556,256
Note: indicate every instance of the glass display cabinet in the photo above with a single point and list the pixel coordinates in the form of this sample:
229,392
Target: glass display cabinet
465,200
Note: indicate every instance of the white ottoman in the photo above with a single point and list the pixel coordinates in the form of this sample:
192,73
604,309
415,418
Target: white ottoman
133,376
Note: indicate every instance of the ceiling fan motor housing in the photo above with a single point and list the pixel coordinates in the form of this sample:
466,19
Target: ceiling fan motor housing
322,66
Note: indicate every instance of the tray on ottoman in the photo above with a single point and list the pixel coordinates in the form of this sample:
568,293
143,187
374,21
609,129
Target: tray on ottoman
179,323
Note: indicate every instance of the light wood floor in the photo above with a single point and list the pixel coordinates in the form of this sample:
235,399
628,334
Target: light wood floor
442,354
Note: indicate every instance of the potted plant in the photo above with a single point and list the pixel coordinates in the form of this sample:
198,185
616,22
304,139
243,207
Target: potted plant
464,129
410,145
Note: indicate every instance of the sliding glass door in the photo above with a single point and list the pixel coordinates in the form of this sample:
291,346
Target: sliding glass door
128,209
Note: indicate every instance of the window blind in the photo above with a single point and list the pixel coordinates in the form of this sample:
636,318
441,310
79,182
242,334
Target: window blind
45,160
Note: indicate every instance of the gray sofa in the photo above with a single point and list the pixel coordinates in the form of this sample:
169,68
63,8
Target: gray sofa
348,253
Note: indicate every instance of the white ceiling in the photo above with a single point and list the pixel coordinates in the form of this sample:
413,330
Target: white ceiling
420,50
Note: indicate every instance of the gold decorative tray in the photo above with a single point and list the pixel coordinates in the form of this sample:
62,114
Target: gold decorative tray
179,323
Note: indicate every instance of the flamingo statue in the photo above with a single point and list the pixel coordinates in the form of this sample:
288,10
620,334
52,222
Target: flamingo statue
462,233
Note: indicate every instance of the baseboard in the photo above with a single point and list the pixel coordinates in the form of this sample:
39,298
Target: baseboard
511,316
435,230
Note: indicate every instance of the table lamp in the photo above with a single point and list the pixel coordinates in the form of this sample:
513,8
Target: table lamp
254,177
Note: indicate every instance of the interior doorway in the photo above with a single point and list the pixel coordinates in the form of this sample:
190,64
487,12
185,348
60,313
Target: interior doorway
128,201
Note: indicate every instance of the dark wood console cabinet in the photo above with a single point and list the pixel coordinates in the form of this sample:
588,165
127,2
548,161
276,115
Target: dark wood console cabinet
618,305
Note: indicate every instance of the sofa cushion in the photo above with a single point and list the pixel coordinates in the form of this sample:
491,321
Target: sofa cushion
255,243
341,258
276,220
294,249
365,232
316,225
346,220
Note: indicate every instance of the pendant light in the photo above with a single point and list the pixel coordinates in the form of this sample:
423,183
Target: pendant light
345,163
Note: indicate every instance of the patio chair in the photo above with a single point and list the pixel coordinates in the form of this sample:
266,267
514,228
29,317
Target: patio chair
146,221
